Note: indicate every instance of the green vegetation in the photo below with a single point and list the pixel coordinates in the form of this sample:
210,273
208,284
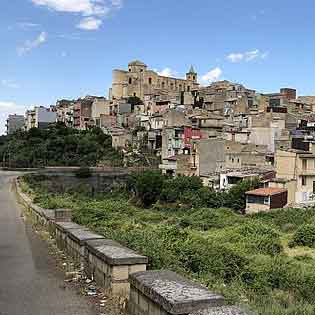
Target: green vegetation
184,191
58,146
304,236
247,258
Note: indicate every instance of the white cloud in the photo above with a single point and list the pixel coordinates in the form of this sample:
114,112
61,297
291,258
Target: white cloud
167,72
31,44
90,24
85,7
9,84
211,76
246,56
92,10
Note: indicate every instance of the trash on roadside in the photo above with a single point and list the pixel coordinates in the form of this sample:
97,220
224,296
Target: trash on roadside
91,291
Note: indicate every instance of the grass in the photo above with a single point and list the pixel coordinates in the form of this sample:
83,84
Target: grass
246,258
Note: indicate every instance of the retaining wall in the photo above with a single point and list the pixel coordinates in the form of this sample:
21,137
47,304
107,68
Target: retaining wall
121,271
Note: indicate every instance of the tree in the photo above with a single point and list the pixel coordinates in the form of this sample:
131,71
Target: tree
146,186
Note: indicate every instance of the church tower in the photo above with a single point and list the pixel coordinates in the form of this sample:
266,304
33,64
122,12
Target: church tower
192,75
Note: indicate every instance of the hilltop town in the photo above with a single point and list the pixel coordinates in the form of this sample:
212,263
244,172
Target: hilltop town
223,133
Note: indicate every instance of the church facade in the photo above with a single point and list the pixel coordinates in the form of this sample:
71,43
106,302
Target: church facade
139,81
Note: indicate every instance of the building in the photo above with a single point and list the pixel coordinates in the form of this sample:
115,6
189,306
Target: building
40,117
298,166
139,81
83,113
264,199
14,123
65,112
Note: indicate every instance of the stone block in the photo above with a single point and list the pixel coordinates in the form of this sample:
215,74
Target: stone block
120,273
173,293
137,268
119,288
115,254
223,310
64,215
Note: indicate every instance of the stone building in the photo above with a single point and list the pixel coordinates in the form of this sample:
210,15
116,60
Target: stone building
138,81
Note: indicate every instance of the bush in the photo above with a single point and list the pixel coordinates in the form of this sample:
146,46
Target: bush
146,186
175,188
304,236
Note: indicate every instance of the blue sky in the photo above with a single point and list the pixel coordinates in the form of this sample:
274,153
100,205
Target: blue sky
67,48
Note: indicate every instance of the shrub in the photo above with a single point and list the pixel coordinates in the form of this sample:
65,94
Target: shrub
304,236
175,188
146,186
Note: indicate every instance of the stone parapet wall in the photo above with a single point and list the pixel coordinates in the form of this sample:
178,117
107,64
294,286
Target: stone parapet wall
167,293
110,264
121,271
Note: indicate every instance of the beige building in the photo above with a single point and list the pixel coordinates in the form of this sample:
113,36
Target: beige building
299,167
138,80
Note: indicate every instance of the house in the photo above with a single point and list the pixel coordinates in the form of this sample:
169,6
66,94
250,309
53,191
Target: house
265,199
121,139
229,178
82,116
298,165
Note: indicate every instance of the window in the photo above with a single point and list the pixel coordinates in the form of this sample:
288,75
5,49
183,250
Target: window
266,200
130,81
129,69
238,160
303,180
232,160
134,94
180,87
150,80
163,85
188,88
194,77
304,164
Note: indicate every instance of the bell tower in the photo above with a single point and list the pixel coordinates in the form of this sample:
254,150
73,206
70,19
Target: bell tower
192,75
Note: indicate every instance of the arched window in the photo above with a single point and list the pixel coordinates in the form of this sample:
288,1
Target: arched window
130,80
150,80
188,88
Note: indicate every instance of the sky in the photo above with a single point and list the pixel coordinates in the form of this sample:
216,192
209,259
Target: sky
53,49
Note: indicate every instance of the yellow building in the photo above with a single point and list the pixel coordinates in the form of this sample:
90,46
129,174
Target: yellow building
138,81
298,168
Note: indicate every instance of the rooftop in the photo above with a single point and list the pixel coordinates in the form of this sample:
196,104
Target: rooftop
266,191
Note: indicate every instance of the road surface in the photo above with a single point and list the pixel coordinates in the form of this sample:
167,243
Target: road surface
29,281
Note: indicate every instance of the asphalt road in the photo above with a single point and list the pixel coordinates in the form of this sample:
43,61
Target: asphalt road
29,281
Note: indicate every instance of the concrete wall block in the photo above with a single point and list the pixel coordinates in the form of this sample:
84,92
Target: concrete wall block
137,268
144,303
120,273
120,288
155,309
134,296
